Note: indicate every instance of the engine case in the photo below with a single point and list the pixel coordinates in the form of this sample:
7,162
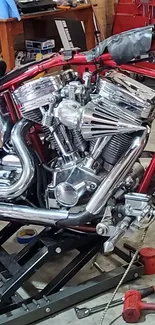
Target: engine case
70,184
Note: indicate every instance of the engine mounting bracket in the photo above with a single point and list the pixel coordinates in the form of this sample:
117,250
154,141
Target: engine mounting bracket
68,54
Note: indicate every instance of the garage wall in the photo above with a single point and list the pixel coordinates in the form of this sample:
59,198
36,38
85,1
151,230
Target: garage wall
104,10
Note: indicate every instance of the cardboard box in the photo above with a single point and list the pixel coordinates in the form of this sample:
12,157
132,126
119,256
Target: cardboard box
40,44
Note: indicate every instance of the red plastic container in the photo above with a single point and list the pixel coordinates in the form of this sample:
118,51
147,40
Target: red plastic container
147,257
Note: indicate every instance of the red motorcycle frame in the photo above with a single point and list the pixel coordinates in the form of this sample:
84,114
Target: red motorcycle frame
13,80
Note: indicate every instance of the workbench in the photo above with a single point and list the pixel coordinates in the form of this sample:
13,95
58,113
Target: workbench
11,27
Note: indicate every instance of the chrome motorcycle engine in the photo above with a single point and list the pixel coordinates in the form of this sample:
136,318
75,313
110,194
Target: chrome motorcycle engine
89,124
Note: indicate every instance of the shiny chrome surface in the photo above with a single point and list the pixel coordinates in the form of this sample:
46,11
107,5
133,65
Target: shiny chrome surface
78,141
11,160
128,92
138,211
120,230
96,151
70,183
26,160
68,112
37,88
68,76
102,117
6,123
68,194
94,133
115,176
34,95
5,129
10,170
69,154
93,130
98,118
137,205
31,215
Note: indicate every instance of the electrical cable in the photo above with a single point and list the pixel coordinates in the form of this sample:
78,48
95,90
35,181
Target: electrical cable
50,169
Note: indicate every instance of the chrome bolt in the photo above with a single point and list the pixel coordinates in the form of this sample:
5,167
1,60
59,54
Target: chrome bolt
136,275
100,231
58,250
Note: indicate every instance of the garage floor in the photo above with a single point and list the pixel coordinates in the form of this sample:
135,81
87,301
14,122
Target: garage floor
69,317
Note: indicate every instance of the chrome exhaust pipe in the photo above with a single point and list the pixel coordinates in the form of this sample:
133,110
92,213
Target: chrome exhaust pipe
118,172
28,215
62,218
28,168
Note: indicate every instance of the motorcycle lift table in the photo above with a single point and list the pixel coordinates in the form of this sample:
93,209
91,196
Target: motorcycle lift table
17,269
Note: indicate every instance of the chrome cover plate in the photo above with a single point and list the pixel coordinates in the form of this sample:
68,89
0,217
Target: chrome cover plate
35,95
127,92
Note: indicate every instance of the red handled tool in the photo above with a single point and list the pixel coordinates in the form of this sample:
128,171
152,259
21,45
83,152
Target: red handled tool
133,305
85,312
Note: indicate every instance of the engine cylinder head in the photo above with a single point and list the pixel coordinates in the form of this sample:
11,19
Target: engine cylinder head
37,94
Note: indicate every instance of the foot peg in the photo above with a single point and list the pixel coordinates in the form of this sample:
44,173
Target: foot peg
121,229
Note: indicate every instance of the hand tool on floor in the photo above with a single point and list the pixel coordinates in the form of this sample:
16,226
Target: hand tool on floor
85,312
133,305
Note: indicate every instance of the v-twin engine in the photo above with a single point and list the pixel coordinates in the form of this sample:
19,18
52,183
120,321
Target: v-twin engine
94,131
90,125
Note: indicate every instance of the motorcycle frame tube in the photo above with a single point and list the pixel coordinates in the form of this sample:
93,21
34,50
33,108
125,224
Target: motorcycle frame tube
37,144
149,173
78,59
11,106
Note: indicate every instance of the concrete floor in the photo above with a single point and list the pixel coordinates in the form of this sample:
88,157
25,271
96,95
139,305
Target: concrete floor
50,270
